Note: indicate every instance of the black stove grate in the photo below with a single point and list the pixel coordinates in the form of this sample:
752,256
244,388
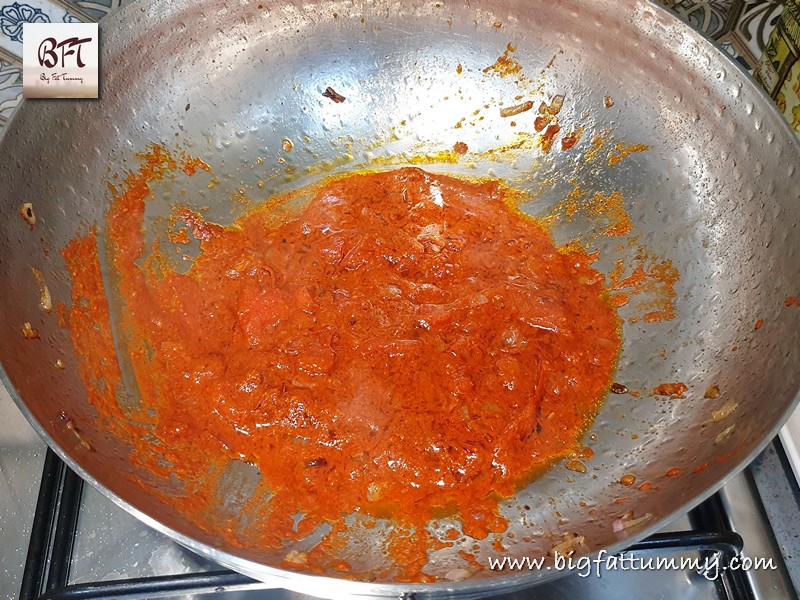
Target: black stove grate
46,575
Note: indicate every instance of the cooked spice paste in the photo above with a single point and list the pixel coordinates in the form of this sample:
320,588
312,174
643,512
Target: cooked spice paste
407,346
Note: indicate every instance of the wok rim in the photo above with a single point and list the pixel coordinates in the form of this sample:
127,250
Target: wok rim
331,587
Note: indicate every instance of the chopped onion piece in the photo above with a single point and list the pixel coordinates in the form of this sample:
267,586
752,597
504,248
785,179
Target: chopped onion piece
569,544
510,111
726,411
26,212
457,574
627,521
724,434
394,289
555,104
45,302
296,558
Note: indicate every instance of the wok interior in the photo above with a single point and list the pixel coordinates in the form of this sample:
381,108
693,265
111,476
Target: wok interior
712,194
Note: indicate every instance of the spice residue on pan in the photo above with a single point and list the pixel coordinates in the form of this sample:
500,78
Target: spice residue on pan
29,332
621,150
609,207
651,280
673,390
89,321
340,344
505,65
332,94
548,138
598,142
572,138
190,165
26,212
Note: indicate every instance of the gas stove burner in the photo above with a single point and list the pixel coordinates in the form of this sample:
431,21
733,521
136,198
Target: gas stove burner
709,537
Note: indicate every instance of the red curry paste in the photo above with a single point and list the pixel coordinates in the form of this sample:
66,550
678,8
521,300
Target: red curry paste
408,346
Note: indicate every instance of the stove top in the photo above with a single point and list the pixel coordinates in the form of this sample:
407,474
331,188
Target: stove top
62,540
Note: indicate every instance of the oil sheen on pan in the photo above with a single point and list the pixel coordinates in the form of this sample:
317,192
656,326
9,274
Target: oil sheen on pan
404,347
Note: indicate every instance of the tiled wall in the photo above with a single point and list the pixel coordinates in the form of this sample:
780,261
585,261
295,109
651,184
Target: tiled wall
742,27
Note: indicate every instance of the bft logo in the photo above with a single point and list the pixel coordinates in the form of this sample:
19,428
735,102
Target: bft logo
60,60
48,57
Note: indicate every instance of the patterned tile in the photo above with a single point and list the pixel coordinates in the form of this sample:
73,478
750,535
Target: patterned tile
10,88
14,14
755,24
97,9
731,49
741,26
788,100
712,17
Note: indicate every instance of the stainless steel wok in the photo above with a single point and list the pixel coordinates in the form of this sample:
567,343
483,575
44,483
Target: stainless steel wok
717,193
